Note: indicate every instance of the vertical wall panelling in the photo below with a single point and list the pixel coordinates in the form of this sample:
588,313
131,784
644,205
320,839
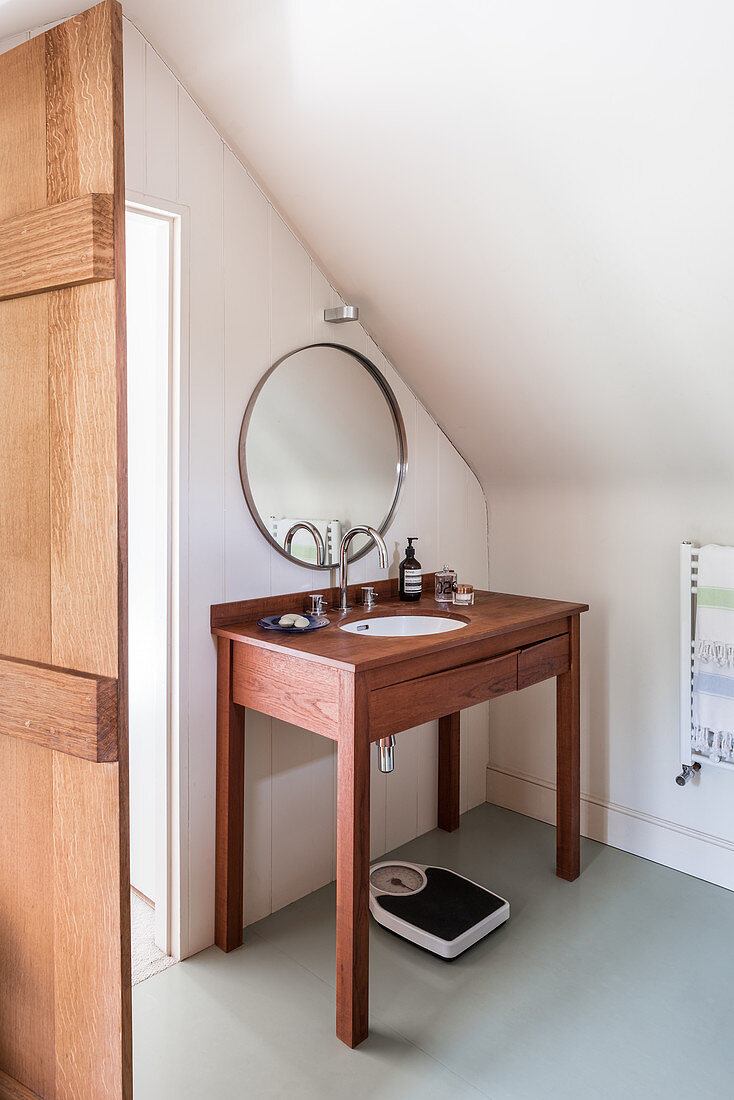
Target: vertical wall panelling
200,188
290,328
247,356
247,555
302,765
325,758
629,691
254,294
133,59
160,137
179,748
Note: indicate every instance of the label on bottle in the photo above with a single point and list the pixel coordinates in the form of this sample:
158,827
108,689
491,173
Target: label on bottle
412,581
445,586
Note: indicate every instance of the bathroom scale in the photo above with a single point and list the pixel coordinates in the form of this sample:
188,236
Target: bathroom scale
433,907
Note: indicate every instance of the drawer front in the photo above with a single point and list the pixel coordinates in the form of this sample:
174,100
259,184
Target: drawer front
401,706
540,662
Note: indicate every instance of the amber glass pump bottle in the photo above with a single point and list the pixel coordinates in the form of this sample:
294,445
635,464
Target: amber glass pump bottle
411,574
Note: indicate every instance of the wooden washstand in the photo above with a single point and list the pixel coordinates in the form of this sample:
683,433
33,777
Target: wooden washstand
355,689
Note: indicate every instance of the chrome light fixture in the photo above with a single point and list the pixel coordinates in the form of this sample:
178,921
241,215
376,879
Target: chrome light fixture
339,314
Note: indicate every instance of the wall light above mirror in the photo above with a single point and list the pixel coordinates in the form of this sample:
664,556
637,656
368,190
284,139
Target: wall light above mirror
322,448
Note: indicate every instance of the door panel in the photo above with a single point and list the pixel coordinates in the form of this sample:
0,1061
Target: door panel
83,446
25,546
65,990
23,128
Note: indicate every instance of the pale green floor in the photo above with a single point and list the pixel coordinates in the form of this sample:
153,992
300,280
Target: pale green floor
620,985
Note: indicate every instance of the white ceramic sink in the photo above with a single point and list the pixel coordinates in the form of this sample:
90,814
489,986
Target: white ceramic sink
402,626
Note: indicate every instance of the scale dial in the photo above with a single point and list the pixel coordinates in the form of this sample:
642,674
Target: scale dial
397,878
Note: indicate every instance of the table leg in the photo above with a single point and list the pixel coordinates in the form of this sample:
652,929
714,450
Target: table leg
449,748
568,773
230,813
352,865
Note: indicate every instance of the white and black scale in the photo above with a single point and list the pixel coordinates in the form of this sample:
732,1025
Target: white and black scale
433,907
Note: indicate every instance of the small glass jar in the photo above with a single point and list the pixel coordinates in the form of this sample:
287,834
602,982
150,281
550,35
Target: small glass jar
464,595
445,584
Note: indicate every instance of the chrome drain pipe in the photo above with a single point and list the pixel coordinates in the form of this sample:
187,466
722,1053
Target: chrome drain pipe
386,753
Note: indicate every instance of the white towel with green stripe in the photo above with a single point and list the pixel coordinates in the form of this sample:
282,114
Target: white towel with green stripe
713,666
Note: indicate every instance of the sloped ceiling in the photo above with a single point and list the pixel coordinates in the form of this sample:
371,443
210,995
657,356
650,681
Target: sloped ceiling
531,203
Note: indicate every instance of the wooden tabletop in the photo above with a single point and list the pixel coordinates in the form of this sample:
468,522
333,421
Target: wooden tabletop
493,614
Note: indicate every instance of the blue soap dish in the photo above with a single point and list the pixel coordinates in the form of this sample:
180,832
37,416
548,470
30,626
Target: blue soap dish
315,622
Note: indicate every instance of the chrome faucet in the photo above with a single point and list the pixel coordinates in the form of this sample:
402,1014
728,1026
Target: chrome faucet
303,524
343,549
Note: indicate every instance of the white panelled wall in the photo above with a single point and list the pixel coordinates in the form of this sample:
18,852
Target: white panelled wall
615,546
254,294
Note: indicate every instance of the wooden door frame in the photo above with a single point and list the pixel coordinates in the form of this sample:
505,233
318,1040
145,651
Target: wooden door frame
172,836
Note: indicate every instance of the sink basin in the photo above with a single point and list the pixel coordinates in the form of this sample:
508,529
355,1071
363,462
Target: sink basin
402,626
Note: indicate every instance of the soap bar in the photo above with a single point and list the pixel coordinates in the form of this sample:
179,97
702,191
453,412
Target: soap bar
300,622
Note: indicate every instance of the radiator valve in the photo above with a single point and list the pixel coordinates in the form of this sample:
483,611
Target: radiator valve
687,772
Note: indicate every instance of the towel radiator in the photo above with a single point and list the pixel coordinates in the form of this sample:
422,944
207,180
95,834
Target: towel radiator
691,760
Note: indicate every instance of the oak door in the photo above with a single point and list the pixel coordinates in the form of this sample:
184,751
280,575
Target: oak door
65,987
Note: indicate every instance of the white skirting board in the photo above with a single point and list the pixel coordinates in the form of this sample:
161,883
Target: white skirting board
699,854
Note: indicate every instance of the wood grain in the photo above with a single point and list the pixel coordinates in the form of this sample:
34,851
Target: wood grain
88,929
26,842
83,432
449,771
23,128
352,864
25,556
26,916
540,662
285,687
568,762
62,556
478,649
57,246
223,615
114,23
59,709
489,622
402,706
230,815
81,146
10,1089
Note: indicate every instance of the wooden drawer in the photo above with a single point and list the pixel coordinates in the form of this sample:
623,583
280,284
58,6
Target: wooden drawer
540,662
400,706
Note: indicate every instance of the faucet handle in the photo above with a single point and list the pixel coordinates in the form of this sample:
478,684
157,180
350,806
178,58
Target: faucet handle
317,604
369,595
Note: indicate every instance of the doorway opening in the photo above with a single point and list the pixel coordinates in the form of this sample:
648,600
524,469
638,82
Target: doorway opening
152,249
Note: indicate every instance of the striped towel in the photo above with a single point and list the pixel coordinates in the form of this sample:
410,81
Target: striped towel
303,546
713,666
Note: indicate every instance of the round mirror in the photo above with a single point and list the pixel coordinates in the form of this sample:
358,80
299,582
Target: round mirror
322,448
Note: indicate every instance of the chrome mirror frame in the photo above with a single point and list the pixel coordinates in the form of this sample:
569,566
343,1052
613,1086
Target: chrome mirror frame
400,437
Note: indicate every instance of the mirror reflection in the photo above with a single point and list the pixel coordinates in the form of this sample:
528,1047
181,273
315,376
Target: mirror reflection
322,448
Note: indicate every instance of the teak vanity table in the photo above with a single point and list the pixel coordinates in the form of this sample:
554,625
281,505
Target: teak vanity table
355,689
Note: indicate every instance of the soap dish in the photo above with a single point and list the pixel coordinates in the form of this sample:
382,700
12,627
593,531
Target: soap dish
315,622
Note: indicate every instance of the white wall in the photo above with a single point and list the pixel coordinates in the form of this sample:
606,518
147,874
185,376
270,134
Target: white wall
254,295
615,547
